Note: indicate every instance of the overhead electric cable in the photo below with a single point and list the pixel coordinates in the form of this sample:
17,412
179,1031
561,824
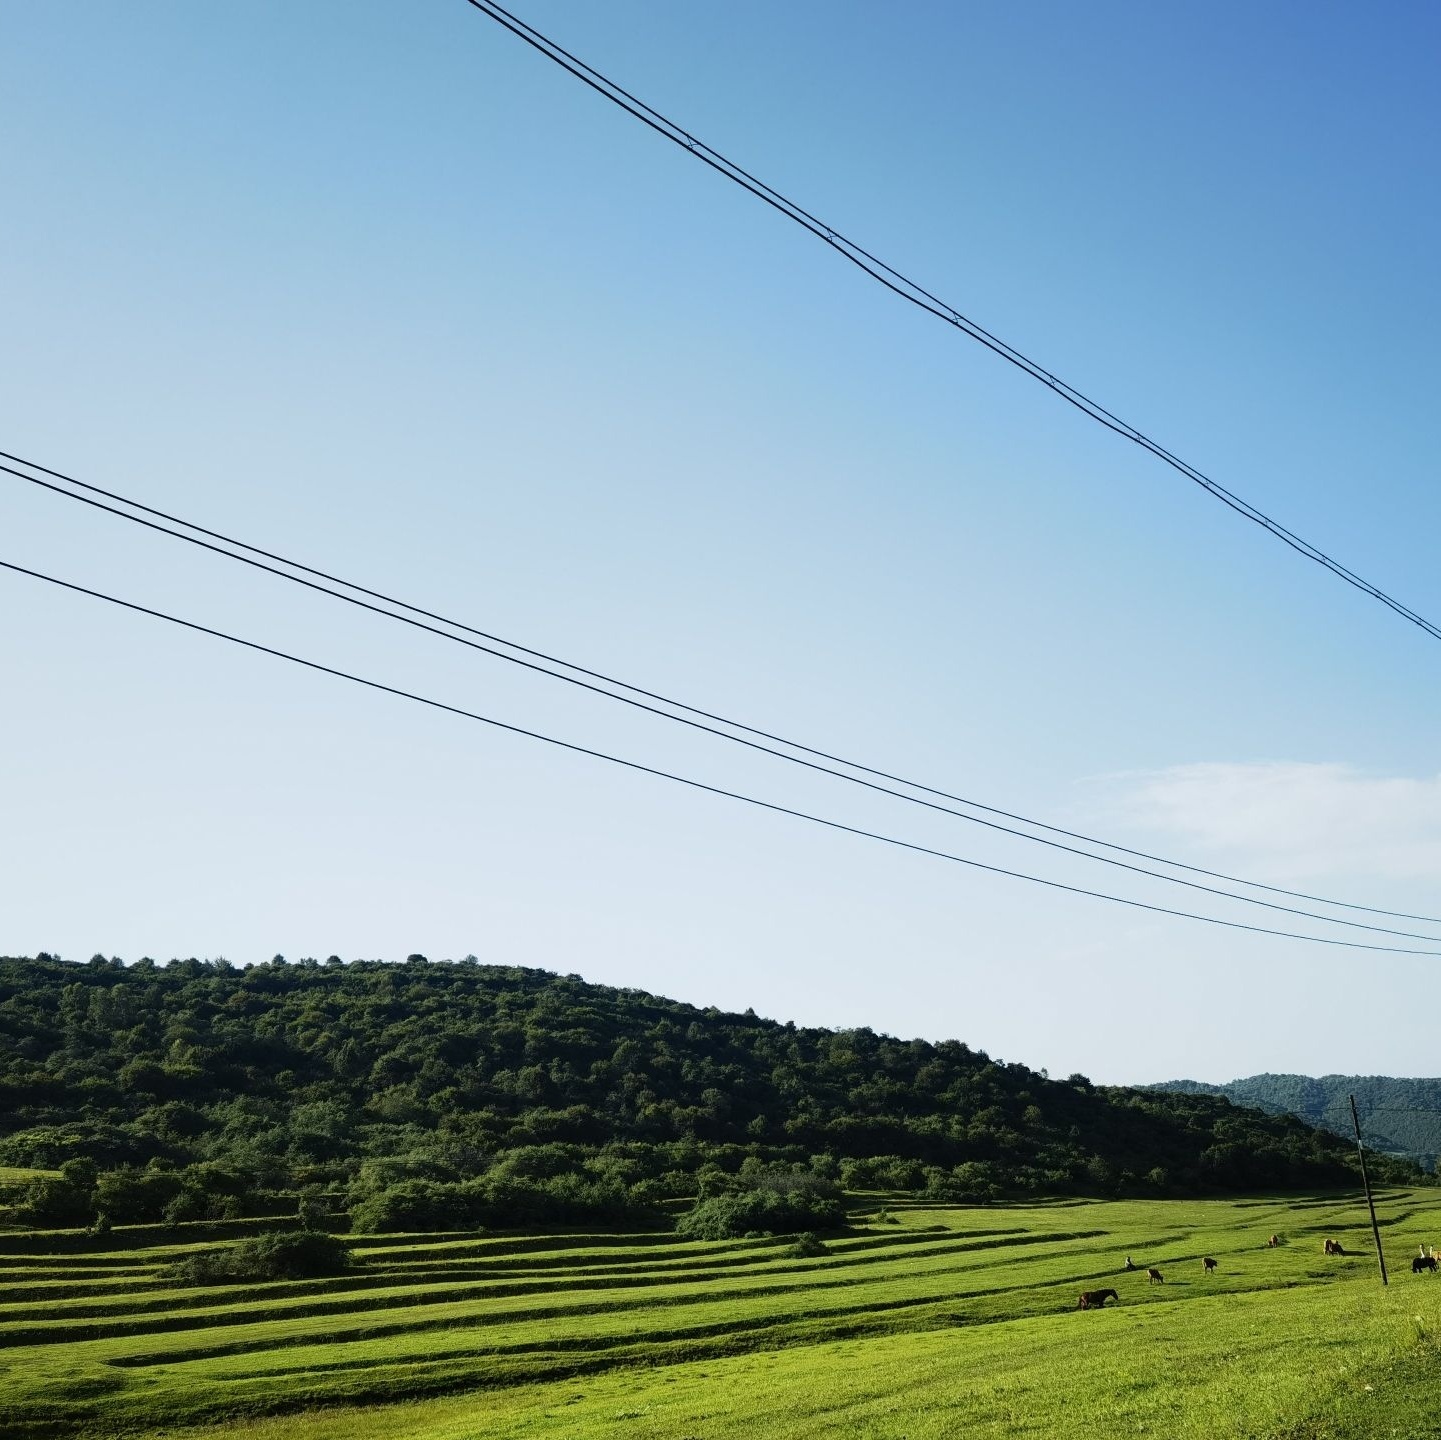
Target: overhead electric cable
917,295
681,719
701,785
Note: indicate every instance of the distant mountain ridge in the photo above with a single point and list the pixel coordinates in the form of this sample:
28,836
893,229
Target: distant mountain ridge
1398,1116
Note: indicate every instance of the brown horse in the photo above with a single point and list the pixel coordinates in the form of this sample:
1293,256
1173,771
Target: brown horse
1423,1262
1333,1247
1095,1299
1208,1264
1274,1240
1155,1276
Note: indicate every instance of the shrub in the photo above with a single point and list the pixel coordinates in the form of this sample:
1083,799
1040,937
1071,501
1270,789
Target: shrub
286,1255
413,1205
130,1195
81,1172
777,1203
973,1181
882,1172
312,1211
500,1200
808,1245
50,1202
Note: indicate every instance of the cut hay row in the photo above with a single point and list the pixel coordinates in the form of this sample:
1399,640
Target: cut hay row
389,1286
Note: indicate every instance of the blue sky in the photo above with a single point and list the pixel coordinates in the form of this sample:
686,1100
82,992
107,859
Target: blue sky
378,287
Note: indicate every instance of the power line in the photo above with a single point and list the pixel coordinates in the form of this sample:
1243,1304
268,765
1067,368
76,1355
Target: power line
917,295
653,710
638,767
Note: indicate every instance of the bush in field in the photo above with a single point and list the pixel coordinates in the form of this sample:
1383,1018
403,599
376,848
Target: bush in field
80,1172
192,1203
571,1199
131,1195
312,1210
808,1245
775,1203
411,1205
973,1182
499,1200
135,1195
51,1202
882,1172
288,1255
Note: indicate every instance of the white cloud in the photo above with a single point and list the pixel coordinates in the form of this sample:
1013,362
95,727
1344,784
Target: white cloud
1283,821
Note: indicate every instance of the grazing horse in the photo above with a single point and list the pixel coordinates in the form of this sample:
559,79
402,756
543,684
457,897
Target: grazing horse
1131,1264
1333,1247
1096,1299
1423,1262
1208,1264
1155,1276
1274,1240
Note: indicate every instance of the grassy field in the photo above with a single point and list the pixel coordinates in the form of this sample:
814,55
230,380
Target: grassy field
930,1323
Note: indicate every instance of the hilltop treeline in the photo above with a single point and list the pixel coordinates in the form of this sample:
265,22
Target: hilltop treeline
1398,1116
425,1095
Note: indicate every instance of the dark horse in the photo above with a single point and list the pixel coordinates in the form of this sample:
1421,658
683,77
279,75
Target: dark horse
1423,1262
1095,1299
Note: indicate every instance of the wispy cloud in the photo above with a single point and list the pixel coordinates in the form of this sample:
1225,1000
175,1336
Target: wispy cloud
1285,820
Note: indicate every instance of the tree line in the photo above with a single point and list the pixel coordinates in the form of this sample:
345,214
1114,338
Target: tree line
431,1095
1398,1116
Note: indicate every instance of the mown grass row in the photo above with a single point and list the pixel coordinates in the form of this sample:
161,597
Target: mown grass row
90,1342
75,1282
1340,1362
172,1308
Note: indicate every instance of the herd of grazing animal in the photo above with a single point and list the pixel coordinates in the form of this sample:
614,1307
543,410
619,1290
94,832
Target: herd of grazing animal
1096,1299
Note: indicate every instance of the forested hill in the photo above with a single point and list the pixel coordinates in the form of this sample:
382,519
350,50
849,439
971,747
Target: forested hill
197,1089
1398,1117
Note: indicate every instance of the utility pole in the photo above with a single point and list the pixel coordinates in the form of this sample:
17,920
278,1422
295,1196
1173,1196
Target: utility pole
1365,1181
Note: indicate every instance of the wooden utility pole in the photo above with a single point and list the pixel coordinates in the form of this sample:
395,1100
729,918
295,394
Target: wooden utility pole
1365,1181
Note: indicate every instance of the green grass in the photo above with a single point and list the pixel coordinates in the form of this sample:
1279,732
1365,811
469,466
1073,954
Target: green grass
19,1175
951,1322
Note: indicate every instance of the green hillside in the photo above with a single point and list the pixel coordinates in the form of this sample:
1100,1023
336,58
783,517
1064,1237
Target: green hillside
441,1095
1398,1117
